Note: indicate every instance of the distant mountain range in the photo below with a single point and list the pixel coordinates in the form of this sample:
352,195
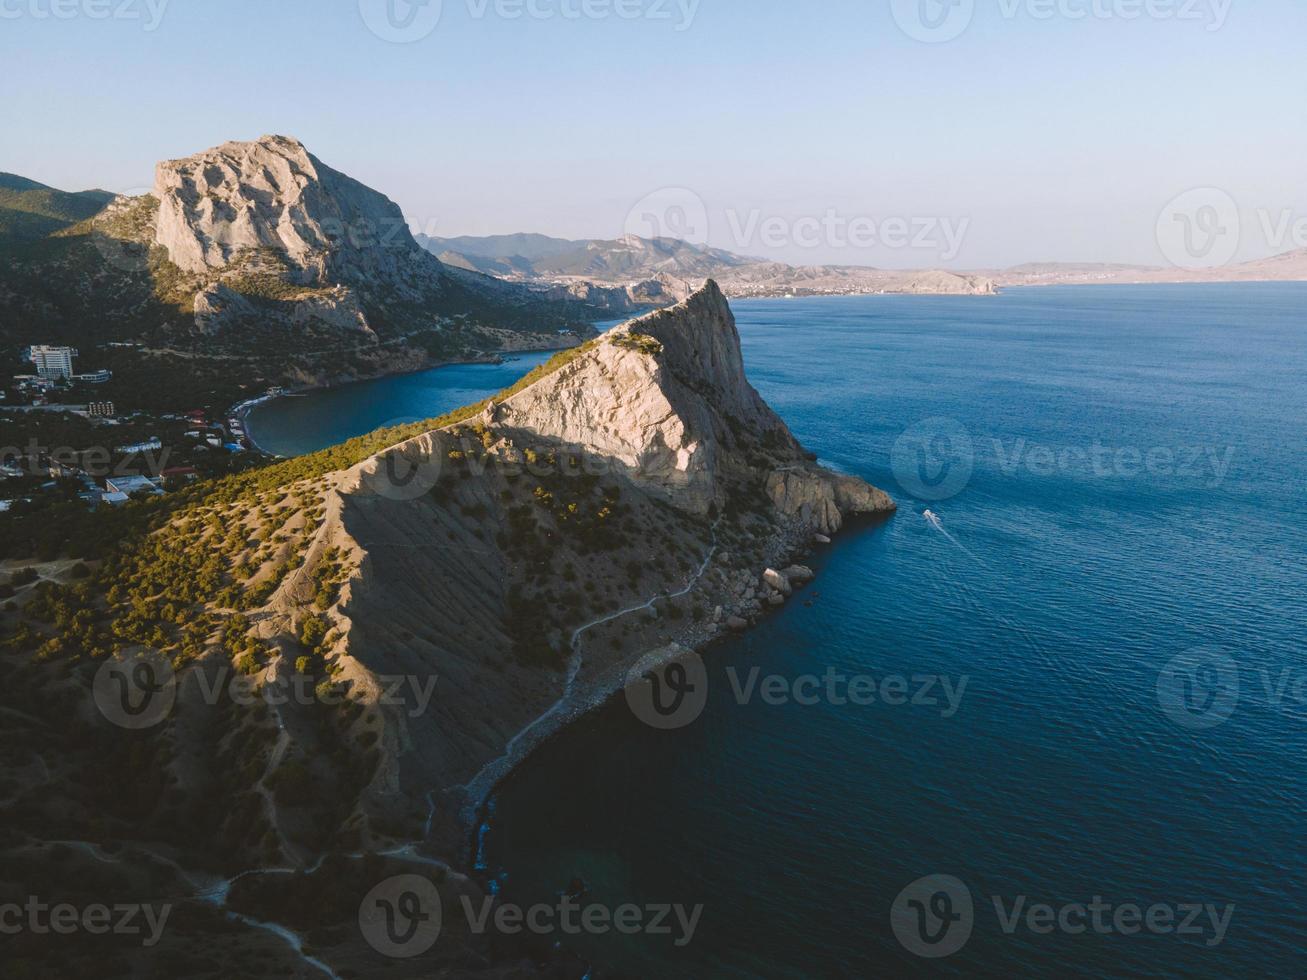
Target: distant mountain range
1285,267
558,262
255,263
679,266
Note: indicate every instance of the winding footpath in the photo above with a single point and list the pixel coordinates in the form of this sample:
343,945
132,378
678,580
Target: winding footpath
478,789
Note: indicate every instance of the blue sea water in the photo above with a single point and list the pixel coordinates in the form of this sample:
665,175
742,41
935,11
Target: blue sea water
1087,549
305,423
1115,570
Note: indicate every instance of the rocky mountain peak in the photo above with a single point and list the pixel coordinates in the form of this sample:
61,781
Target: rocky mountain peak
272,193
664,402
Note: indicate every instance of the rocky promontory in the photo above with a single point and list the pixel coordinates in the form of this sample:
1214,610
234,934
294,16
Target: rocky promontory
640,497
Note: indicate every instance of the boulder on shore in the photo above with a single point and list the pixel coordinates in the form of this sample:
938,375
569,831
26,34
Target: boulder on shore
777,581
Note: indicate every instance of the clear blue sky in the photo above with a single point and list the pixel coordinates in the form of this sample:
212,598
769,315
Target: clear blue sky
1055,138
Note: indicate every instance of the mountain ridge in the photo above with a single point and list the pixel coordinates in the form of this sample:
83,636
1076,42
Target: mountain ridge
254,264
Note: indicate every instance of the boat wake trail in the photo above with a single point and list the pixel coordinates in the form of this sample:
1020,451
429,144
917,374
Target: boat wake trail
970,596
933,519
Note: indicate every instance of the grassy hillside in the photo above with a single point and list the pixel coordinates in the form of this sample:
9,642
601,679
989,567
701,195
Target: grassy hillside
30,211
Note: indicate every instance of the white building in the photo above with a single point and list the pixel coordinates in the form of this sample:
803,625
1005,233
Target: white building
52,362
130,485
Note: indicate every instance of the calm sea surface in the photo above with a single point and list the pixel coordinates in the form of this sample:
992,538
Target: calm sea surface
1113,588
305,423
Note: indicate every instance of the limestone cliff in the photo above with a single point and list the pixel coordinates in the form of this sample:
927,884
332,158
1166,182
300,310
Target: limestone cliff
305,245
645,466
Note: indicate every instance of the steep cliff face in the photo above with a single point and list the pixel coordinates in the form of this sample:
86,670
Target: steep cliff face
666,398
646,466
273,194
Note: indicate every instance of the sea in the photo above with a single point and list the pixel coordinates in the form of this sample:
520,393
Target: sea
1048,720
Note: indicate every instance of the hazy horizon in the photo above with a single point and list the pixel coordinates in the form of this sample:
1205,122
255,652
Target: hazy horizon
1044,131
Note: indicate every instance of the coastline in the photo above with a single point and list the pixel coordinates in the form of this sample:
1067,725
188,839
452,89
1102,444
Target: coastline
243,410
480,804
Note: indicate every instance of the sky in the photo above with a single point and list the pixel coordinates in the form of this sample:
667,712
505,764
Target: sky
967,134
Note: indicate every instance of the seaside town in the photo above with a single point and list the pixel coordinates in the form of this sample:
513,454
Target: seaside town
62,439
